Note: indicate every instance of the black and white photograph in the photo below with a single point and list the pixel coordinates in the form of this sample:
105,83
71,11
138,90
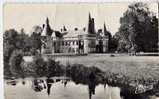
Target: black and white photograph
81,50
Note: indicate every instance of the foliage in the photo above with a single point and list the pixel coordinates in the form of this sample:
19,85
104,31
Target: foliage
54,68
15,40
23,41
12,40
28,69
80,73
36,30
113,43
35,41
39,64
9,45
15,63
40,67
138,30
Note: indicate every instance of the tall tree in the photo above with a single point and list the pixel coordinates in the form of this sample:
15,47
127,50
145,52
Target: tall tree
35,39
22,40
138,29
40,67
15,63
9,45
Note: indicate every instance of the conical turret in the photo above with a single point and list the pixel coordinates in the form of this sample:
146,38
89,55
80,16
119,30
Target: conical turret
105,30
91,27
89,23
47,21
47,31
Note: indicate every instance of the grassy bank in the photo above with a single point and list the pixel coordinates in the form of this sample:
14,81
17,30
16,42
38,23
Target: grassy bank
126,72
122,70
134,67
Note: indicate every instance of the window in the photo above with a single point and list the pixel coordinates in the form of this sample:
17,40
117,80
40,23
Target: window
62,43
54,43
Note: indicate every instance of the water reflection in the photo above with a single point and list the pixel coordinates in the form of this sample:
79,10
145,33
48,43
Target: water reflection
12,82
137,96
23,82
41,84
47,86
91,84
49,83
38,85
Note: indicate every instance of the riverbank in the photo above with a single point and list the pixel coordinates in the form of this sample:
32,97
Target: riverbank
136,74
123,69
135,67
57,90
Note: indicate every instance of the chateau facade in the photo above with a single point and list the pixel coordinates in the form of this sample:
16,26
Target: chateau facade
78,41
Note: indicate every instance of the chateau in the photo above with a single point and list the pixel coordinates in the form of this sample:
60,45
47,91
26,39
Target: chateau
78,41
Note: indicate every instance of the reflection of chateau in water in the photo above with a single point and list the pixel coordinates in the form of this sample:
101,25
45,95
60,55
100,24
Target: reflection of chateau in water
86,40
38,85
55,88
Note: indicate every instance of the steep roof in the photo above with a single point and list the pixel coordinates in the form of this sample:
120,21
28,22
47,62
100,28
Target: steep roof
44,31
75,33
47,31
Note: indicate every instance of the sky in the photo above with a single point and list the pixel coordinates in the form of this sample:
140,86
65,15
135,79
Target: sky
72,15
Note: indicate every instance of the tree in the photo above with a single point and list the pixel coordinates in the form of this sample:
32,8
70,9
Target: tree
54,68
138,29
113,43
37,30
23,41
9,45
13,42
35,39
40,67
15,63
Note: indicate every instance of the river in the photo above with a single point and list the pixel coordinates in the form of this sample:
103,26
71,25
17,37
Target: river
42,88
24,90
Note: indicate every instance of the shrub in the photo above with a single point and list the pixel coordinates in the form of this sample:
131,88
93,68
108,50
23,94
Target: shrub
80,74
54,68
39,64
15,63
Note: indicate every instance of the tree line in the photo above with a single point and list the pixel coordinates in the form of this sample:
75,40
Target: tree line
138,32
16,45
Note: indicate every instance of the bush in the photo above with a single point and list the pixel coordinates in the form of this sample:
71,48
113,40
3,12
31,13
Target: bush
40,67
54,68
15,63
80,74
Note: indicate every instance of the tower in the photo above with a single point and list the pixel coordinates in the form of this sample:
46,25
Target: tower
105,30
90,37
48,28
105,39
46,37
47,31
91,25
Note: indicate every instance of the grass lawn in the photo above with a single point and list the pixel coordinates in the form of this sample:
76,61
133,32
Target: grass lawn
134,67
